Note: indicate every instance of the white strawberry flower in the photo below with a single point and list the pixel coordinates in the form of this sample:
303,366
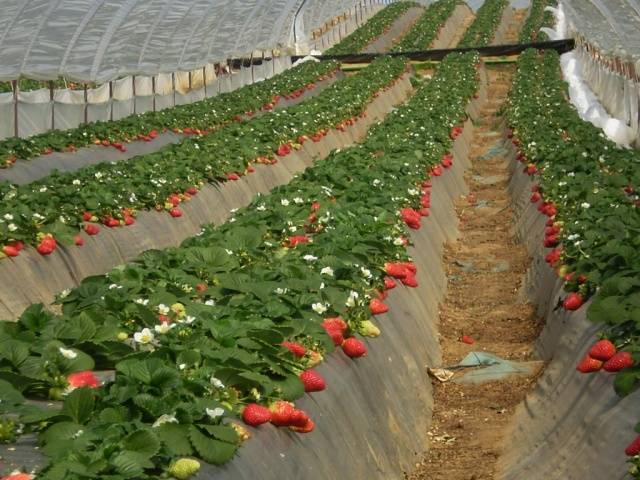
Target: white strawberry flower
12,227
327,271
351,301
293,228
319,308
76,182
68,353
261,208
398,241
376,182
210,303
284,202
310,258
366,273
229,252
215,413
182,366
162,419
8,216
163,309
281,291
64,293
143,337
42,189
585,205
98,175
142,301
413,191
216,382
164,327
298,200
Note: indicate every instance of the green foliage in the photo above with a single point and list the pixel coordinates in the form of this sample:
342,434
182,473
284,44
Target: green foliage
481,31
426,29
372,29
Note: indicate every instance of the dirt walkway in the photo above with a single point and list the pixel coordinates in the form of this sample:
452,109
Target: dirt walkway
485,268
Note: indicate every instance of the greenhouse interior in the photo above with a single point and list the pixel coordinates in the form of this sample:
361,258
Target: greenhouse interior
220,258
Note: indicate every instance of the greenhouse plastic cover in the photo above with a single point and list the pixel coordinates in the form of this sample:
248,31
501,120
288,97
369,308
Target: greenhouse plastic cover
613,26
99,40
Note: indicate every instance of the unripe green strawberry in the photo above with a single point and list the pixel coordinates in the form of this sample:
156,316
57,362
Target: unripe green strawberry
369,329
184,468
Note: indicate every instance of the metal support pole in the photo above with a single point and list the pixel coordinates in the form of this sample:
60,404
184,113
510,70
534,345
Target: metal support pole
53,106
204,80
173,87
153,93
253,80
111,100
15,107
86,104
273,63
190,81
133,89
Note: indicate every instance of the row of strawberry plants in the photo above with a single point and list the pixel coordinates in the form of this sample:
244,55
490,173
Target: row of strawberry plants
197,117
538,17
426,29
372,29
55,208
588,189
484,26
234,320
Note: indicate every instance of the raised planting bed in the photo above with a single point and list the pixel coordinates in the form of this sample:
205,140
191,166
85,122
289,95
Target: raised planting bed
192,118
375,27
580,216
66,266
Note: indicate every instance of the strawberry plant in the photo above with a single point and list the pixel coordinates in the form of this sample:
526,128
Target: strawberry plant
197,117
233,320
57,206
426,29
587,187
372,29
481,31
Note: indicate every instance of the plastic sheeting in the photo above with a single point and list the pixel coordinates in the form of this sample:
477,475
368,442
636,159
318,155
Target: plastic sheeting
37,113
98,40
601,96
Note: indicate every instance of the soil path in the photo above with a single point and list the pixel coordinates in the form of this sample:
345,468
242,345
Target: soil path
485,268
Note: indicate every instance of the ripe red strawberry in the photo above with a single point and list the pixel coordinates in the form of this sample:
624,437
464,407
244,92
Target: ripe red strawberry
129,220
306,428
78,240
86,216
376,307
410,280
175,212
424,212
535,197
112,222
153,133
83,379
602,350
283,150
298,419
381,294
312,381
281,413
201,287
436,171
389,283
192,190
336,337
395,270
91,229
10,251
410,217
447,160
553,256
250,169
633,448
618,362
410,266
582,279
295,348
296,239
47,245
315,206
551,241
335,323
530,169
425,201
589,365
232,176
254,414
573,301
354,348
467,339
